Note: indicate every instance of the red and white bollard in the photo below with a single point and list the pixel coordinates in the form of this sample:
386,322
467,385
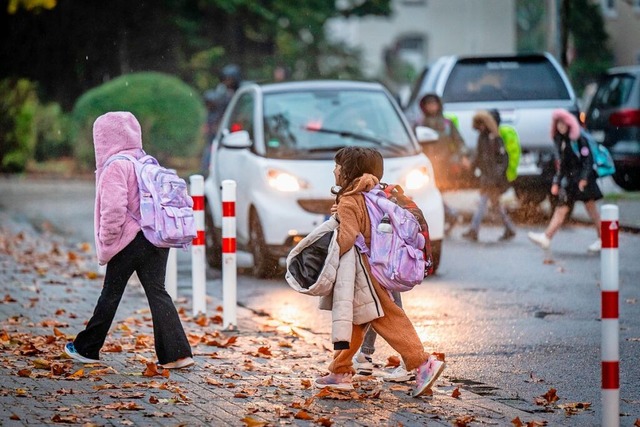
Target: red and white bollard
198,269
610,350
229,258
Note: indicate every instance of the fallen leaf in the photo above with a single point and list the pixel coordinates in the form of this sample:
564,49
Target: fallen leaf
252,422
302,415
463,420
456,393
324,422
305,383
548,398
392,362
24,373
264,351
65,419
516,422
152,371
77,374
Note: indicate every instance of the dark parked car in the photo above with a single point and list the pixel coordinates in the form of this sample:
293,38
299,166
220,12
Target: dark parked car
613,118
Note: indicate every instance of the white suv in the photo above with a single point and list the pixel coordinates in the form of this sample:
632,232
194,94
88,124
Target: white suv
277,142
525,89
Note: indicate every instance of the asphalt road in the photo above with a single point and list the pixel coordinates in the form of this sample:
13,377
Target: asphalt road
513,320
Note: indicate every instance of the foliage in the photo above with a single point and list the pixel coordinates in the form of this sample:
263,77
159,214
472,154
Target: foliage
592,54
53,130
30,5
18,105
80,45
170,112
530,23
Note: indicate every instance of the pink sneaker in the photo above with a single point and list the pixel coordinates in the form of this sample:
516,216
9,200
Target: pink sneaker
427,374
335,382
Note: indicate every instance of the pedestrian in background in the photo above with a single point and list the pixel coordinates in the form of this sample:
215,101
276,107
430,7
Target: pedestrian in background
449,154
355,172
491,160
122,246
216,101
574,180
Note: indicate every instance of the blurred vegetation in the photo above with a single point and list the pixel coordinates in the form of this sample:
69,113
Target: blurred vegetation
170,112
583,39
18,106
79,54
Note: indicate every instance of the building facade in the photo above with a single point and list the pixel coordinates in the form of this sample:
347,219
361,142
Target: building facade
420,31
622,21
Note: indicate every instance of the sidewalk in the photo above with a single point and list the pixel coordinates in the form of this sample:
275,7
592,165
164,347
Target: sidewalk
465,201
258,375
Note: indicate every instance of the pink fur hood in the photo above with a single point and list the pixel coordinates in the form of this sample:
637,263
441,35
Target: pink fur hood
567,118
117,203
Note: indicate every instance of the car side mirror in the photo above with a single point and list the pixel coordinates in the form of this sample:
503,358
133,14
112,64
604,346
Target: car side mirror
426,134
239,139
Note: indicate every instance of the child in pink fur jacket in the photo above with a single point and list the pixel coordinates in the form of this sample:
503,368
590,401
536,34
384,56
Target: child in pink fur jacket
575,179
121,245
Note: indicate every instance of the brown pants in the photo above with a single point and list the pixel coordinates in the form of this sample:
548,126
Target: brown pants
395,327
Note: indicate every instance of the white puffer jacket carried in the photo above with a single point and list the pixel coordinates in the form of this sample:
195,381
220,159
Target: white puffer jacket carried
343,284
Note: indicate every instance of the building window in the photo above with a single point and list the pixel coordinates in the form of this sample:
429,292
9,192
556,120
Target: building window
609,8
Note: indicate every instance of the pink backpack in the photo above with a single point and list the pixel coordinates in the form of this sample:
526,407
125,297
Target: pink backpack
166,209
396,254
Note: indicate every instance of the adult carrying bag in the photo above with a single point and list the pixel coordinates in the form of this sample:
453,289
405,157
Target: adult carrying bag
396,254
166,209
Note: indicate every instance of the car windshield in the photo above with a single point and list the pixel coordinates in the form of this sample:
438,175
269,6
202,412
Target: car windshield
518,79
316,123
613,91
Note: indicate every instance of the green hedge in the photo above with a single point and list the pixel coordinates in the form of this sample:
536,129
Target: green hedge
18,107
170,112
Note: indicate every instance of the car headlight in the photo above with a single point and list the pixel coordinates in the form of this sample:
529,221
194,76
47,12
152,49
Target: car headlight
417,178
283,181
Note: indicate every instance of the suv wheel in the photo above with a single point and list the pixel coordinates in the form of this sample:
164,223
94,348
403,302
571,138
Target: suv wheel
212,240
627,180
265,265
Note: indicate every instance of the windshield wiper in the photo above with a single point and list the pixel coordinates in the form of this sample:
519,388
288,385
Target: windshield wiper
362,137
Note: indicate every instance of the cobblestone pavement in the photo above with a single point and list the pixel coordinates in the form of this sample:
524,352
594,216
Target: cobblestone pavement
259,374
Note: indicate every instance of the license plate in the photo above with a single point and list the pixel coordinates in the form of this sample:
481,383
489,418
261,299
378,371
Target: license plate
529,164
598,135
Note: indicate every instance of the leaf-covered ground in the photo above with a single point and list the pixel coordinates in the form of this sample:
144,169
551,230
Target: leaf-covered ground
260,374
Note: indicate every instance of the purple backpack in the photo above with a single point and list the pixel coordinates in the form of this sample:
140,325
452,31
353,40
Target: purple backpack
166,209
396,254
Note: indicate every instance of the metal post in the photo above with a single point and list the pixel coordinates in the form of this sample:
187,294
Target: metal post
198,272
171,279
610,350
229,258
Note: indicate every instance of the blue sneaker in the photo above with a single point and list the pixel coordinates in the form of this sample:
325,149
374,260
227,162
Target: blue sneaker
71,351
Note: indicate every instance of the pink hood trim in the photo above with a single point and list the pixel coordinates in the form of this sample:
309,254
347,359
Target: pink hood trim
568,119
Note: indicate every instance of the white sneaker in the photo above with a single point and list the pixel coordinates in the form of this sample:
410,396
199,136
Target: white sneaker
71,351
400,375
363,364
539,239
595,246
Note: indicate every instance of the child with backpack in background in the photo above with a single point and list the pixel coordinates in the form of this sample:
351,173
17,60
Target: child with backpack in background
574,180
492,161
356,172
449,154
123,247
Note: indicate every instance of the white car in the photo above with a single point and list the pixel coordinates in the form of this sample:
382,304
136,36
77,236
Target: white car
277,142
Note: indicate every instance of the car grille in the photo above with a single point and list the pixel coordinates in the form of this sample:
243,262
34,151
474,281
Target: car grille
317,206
